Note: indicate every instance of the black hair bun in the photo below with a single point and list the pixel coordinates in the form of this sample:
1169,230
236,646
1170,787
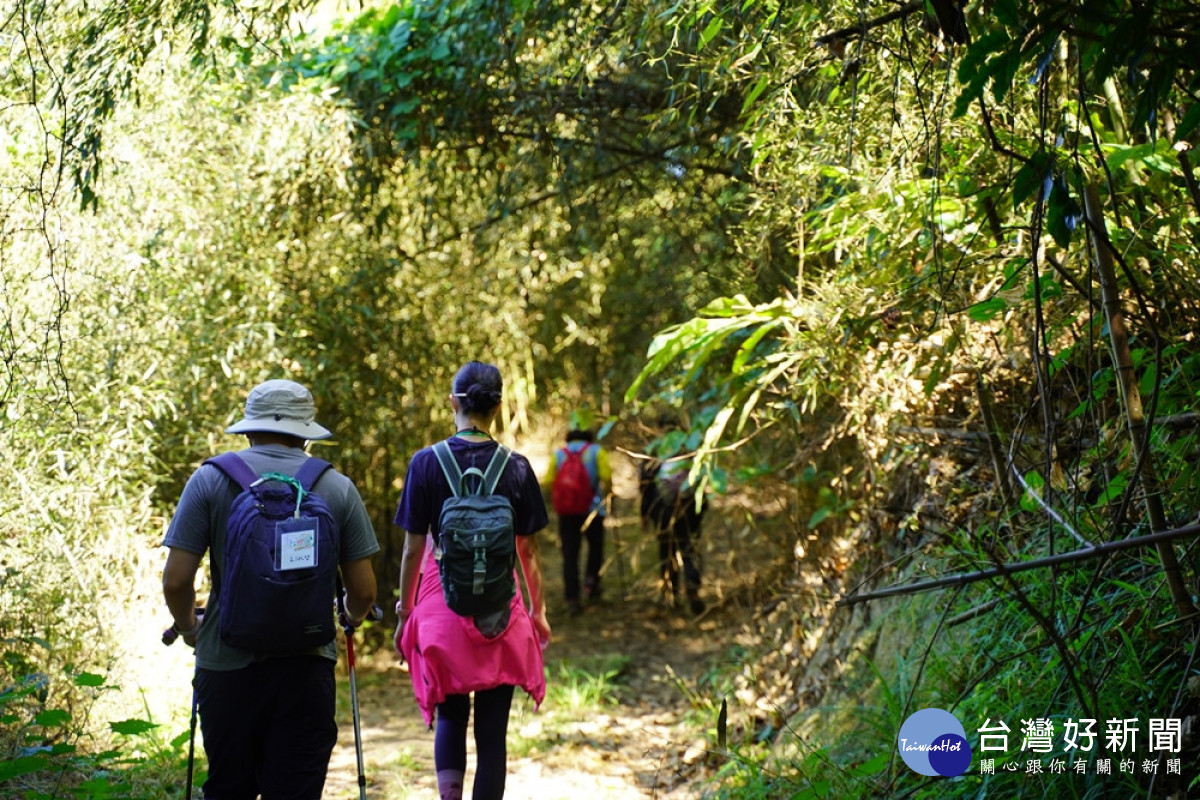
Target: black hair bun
482,398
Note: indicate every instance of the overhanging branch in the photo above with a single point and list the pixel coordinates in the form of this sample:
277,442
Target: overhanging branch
1083,554
861,29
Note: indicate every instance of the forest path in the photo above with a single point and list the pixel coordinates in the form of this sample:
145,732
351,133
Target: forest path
648,743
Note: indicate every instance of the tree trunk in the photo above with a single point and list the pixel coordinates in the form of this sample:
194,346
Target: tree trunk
1131,397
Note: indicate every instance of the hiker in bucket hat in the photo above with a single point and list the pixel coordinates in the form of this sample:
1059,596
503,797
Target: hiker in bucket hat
267,717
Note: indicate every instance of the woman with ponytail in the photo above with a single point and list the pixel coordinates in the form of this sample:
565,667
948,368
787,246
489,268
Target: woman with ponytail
452,656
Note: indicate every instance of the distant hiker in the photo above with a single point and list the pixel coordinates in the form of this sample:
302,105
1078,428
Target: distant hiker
668,505
267,717
578,479
477,648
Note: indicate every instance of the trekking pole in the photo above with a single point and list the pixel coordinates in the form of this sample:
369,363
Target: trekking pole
375,614
168,638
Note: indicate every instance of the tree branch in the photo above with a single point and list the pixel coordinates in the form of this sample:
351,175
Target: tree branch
1001,570
861,29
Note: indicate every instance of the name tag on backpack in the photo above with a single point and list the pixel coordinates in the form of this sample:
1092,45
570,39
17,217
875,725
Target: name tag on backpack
296,544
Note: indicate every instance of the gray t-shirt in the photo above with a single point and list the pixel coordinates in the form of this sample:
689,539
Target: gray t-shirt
199,526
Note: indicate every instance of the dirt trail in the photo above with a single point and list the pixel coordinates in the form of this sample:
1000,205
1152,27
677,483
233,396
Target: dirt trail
650,744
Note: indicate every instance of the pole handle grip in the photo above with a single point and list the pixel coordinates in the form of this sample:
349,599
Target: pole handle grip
172,633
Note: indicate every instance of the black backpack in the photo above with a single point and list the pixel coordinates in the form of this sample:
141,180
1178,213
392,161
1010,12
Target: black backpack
671,479
278,586
476,547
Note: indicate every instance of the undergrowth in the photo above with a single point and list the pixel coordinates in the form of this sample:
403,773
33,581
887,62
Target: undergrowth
575,690
1037,654
51,748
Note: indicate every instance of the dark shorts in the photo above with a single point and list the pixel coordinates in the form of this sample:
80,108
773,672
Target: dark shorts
268,728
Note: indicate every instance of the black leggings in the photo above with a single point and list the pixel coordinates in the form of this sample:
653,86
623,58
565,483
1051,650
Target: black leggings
491,727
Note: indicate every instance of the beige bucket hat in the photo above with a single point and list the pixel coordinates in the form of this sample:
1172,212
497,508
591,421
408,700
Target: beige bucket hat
281,406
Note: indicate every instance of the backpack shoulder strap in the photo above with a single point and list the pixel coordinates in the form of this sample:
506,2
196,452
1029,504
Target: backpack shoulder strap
449,467
495,468
311,472
235,468
592,464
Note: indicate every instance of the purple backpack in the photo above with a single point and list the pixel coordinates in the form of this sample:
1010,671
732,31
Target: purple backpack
278,587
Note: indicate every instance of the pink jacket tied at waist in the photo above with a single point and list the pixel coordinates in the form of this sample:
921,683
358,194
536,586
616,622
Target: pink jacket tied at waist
448,655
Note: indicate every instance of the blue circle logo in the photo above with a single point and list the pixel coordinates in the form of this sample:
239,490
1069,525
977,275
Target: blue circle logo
933,742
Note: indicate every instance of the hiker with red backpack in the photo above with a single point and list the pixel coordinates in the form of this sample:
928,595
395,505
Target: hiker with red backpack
578,479
277,526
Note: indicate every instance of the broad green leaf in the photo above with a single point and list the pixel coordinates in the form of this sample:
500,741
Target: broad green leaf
982,312
700,335
89,679
819,516
21,765
52,718
132,727
1154,155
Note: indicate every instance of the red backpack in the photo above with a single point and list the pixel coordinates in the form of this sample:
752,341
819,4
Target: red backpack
573,493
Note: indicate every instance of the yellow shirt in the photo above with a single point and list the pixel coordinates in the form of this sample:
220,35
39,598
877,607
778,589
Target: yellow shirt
603,468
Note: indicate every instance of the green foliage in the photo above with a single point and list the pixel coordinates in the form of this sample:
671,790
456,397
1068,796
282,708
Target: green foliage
585,687
47,751
414,67
576,693
810,231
